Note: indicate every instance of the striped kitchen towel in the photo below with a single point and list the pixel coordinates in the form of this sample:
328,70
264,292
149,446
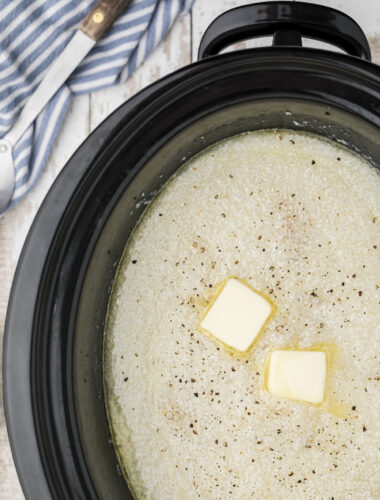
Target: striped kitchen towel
32,35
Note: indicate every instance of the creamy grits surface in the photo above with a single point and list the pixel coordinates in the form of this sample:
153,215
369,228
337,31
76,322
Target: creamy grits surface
298,218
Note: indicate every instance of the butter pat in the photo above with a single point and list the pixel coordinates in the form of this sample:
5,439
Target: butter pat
299,375
237,315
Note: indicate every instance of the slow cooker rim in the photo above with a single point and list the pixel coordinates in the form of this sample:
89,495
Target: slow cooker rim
42,233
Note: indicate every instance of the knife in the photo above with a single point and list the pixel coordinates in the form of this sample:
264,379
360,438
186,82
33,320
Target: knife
91,30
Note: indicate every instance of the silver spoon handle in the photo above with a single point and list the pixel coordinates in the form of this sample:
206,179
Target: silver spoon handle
7,176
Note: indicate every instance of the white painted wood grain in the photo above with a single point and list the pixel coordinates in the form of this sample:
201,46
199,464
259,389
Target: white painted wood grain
88,111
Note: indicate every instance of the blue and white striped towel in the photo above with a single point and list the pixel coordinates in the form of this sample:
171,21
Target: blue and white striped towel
32,35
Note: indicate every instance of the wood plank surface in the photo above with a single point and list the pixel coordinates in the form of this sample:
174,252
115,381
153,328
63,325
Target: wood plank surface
178,48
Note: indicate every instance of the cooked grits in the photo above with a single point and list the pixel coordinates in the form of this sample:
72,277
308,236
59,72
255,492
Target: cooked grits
299,219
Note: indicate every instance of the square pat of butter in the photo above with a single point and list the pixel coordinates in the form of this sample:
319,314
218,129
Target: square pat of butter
298,375
237,315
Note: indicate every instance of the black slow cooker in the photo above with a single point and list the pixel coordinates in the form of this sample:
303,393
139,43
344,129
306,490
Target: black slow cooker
53,389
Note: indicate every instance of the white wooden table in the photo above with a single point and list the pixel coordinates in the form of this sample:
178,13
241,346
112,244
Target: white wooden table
178,49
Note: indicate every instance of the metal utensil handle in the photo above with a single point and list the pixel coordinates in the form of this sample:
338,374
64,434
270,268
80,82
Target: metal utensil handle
7,176
288,22
101,17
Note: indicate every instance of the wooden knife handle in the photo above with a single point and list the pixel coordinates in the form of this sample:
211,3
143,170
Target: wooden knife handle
101,17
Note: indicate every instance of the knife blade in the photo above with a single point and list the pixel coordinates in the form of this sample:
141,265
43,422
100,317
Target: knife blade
93,27
68,60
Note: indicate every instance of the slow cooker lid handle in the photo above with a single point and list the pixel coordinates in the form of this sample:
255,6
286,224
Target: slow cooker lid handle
287,22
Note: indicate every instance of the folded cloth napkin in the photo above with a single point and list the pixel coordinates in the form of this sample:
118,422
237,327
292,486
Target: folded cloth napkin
32,35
